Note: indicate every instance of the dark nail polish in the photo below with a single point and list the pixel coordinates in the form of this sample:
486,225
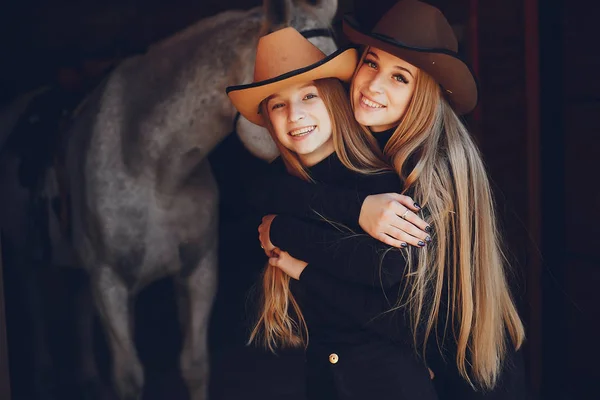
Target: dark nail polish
403,245
428,229
428,239
417,205
421,243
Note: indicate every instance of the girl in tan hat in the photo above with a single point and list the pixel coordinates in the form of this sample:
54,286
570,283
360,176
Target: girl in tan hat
409,89
298,96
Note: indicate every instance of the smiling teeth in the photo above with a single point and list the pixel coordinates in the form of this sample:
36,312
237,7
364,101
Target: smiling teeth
303,131
370,103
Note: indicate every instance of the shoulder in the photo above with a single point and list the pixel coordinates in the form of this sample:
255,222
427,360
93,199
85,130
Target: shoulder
380,182
277,165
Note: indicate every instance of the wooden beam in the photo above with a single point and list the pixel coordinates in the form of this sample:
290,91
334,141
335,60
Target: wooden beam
534,267
4,373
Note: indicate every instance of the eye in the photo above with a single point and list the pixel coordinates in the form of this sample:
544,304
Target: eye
400,78
370,63
309,96
276,105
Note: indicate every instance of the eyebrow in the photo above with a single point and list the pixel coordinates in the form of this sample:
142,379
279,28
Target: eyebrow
395,66
274,96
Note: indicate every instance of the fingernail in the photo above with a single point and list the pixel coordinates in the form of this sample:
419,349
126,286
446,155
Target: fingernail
428,229
417,205
428,239
403,245
421,243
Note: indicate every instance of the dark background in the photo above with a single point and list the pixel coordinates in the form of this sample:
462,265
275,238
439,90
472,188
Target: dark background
536,126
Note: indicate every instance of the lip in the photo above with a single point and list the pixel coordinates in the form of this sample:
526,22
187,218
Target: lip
302,135
369,108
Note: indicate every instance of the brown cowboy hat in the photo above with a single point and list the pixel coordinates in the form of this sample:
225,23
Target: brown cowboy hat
285,58
420,34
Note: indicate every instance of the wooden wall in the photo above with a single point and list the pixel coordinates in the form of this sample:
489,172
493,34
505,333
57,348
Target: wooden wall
573,87
509,137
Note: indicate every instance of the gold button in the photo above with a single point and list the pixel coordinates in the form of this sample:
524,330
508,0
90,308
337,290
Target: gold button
333,358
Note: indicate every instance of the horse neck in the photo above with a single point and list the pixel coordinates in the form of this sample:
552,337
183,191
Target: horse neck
171,141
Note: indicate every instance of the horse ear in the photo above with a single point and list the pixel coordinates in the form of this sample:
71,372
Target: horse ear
325,9
277,14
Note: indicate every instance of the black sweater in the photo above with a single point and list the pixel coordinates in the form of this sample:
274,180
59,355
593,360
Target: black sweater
362,293
359,276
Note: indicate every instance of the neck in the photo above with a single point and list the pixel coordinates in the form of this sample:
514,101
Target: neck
309,160
382,128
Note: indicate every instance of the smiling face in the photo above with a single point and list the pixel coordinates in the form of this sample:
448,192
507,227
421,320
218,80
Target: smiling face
301,122
382,89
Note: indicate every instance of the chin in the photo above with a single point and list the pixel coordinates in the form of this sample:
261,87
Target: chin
366,121
360,118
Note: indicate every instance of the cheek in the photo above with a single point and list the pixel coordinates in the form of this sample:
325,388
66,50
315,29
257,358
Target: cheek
324,120
399,98
359,80
278,122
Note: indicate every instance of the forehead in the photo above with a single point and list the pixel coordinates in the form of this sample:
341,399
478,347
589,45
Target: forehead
390,59
289,91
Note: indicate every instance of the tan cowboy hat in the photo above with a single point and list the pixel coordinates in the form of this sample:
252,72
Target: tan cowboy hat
285,58
420,34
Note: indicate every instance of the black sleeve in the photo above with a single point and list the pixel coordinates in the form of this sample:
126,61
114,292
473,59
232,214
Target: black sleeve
283,193
356,258
370,308
287,194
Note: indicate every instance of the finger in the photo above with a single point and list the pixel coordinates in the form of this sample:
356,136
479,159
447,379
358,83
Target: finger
265,244
406,201
412,230
390,241
401,211
402,236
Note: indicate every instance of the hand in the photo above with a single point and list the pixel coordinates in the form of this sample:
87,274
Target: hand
264,230
381,216
288,264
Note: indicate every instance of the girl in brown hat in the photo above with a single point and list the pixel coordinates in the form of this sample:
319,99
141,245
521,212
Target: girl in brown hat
298,96
409,89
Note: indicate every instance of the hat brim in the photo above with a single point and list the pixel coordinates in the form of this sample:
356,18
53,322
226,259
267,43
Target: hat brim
247,98
454,75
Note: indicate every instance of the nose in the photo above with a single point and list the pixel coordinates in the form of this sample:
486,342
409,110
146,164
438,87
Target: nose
375,85
296,112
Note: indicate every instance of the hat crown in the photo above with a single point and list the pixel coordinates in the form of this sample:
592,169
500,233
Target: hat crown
283,51
417,24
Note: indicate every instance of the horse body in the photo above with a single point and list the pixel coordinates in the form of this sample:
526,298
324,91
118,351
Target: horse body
144,201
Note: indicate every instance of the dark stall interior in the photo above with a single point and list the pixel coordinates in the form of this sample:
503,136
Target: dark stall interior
537,66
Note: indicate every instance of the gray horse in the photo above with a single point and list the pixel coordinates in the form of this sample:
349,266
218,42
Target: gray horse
144,201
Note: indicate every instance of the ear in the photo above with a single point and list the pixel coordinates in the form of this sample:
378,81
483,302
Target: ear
277,15
325,9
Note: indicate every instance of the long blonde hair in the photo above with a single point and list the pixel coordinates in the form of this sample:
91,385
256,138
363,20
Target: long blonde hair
280,321
438,161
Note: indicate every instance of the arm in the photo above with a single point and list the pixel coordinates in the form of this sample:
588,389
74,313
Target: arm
283,193
372,309
388,217
356,258
364,205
